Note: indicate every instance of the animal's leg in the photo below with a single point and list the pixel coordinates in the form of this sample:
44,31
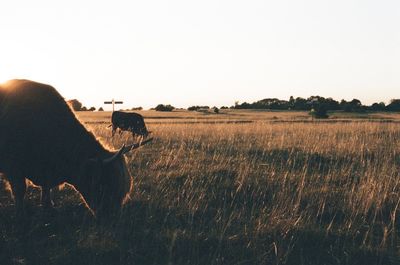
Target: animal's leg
18,186
141,138
47,202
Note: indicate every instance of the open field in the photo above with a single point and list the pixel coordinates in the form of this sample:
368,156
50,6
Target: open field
240,187
240,116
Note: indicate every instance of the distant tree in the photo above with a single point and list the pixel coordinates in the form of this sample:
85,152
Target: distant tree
378,106
161,107
318,101
356,103
83,108
216,110
319,108
351,106
291,102
331,104
224,107
100,109
196,108
394,105
319,112
92,109
301,104
75,104
345,106
270,103
137,108
244,105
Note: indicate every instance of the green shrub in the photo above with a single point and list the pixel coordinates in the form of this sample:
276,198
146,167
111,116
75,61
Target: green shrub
161,107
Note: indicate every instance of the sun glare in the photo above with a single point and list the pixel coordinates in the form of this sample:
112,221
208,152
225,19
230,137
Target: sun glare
3,80
5,76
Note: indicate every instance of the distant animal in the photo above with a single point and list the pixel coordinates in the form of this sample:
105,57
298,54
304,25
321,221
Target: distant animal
43,141
129,121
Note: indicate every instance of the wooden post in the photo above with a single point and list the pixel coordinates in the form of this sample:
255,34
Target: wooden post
113,102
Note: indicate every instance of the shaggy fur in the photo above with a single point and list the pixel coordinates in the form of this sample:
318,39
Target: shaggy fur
131,121
42,140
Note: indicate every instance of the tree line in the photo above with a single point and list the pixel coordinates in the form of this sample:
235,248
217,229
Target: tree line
318,102
313,103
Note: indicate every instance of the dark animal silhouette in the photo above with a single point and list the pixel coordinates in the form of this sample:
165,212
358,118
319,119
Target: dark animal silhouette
42,140
129,121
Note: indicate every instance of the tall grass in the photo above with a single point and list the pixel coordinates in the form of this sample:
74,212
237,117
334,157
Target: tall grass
260,193
266,189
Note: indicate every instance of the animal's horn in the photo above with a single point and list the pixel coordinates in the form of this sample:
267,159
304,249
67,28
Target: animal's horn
117,154
125,149
129,148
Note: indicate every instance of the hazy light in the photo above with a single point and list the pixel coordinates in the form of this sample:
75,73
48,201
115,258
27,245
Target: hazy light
204,52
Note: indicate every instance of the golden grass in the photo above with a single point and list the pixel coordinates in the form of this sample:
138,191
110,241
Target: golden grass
245,182
240,116
273,191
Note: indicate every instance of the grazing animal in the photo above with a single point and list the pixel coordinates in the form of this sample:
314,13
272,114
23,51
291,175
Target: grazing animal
131,121
43,141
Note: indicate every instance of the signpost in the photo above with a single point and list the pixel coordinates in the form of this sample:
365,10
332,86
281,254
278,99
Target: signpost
113,102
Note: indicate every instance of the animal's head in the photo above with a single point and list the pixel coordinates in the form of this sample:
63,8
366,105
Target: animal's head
105,183
144,131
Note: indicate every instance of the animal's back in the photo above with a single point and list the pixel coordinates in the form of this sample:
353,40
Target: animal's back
31,108
38,129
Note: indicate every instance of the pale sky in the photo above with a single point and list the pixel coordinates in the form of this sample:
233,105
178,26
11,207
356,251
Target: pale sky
209,52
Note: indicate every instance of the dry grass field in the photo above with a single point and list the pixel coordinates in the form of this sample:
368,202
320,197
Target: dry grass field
239,187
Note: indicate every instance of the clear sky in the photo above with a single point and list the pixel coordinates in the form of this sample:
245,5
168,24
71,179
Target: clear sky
209,52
